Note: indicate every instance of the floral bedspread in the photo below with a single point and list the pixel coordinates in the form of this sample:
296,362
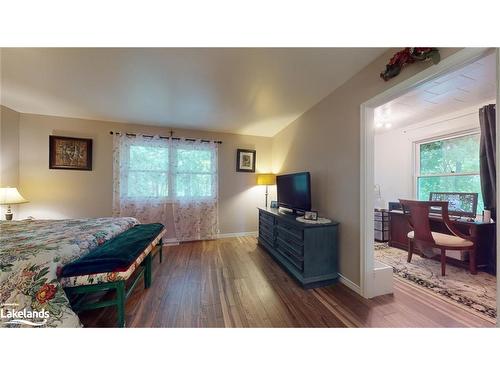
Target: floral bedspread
31,251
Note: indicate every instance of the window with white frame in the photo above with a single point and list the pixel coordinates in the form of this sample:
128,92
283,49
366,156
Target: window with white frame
194,172
148,170
449,164
155,178
164,170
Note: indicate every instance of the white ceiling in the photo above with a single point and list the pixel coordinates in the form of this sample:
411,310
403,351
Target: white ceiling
247,91
472,85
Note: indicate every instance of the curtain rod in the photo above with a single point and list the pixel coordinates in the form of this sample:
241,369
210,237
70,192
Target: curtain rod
173,138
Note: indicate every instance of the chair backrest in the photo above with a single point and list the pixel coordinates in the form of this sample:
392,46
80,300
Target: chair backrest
418,215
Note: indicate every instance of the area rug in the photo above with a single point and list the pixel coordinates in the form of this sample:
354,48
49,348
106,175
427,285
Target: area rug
475,292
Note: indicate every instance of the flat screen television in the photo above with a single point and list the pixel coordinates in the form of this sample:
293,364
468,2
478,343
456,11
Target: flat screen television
294,191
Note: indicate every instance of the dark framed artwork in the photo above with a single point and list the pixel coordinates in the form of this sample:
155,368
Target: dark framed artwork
70,153
245,160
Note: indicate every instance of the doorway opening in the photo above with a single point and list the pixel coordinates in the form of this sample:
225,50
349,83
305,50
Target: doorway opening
422,136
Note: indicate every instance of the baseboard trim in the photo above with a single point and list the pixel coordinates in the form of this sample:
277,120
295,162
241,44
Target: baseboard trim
171,242
350,284
240,234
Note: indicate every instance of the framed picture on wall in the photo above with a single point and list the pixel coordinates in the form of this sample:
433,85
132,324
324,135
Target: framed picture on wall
70,153
245,160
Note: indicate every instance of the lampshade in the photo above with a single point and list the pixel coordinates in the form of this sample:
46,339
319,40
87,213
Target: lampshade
10,195
266,179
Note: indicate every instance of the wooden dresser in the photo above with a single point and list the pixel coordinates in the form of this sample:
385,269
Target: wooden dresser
309,252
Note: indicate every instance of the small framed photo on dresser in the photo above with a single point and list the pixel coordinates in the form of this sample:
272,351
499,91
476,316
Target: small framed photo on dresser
311,215
274,204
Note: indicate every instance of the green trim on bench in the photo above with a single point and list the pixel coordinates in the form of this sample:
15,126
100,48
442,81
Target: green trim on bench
122,292
160,250
134,283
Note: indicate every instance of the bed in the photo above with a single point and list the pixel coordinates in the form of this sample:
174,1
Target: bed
32,252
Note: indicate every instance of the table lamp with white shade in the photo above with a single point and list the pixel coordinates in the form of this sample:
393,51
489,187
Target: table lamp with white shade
266,179
10,196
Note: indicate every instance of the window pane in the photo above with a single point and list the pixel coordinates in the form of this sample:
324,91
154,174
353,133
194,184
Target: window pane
454,155
148,158
193,185
451,184
147,184
194,160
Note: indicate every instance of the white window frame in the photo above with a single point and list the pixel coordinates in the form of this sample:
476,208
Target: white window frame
416,157
168,197
172,179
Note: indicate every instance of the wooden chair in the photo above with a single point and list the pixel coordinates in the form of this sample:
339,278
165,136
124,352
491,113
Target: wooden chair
421,237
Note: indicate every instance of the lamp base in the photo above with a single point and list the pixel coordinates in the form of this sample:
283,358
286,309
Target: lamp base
8,216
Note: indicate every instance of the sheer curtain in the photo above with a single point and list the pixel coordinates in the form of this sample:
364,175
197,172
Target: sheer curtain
195,189
140,178
173,182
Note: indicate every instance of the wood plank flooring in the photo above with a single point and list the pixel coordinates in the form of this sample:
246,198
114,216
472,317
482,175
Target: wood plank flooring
234,283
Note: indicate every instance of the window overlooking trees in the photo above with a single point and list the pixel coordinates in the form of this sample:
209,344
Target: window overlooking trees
155,178
449,165
171,171
194,173
148,172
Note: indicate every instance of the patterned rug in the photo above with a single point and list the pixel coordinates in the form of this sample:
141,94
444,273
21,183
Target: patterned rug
475,292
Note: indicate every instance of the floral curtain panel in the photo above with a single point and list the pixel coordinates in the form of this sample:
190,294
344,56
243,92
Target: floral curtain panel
195,189
167,181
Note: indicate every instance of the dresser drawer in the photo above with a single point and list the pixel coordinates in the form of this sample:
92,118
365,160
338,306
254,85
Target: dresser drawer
291,257
291,245
265,225
290,230
267,234
266,219
381,225
381,215
266,242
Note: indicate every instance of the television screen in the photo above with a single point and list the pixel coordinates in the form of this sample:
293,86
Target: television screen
294,191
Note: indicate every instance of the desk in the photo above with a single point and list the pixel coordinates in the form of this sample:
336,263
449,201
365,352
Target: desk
484,234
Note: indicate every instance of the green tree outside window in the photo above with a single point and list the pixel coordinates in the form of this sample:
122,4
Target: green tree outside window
450,165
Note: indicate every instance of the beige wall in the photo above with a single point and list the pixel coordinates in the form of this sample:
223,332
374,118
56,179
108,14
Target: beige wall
9,150
325,140
67,194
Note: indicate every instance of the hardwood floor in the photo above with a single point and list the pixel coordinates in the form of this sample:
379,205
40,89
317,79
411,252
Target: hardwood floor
234,283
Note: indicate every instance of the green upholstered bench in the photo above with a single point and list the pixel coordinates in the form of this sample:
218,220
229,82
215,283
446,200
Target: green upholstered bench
109,267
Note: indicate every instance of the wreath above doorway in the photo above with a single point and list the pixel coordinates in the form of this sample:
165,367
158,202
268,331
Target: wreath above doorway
408,56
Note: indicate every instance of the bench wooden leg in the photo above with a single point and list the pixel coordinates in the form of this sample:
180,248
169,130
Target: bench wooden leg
161,250
148,274
120,303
